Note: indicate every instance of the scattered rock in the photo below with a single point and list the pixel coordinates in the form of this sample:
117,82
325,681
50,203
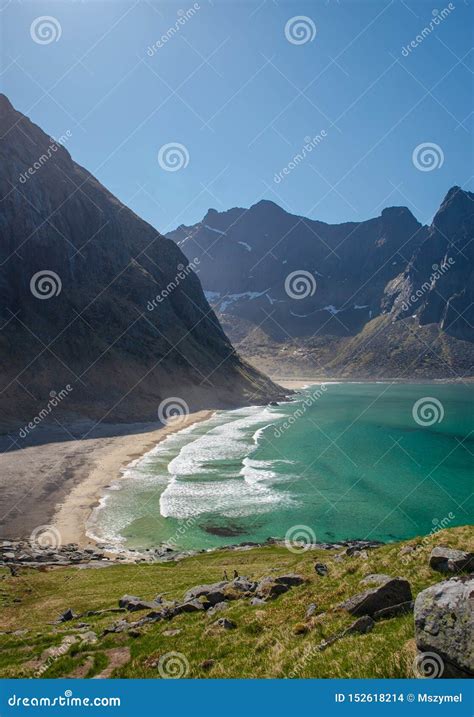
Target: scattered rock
171,633
213,593
225,624
447,560
132,603
392,592
219,607
257,601
67,615
268,588
290,580
444,624
321,569
375,579
89,637
363,625
191,606
311,609
206,664
395,610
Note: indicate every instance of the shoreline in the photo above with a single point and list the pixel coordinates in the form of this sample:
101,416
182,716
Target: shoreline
71,517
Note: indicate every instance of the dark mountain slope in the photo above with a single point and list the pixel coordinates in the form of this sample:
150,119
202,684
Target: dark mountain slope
384,297
103,266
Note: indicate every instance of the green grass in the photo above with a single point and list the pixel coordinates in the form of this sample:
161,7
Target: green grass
269,641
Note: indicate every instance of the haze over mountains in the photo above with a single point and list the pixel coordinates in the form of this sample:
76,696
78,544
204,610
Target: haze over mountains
78,270
383,297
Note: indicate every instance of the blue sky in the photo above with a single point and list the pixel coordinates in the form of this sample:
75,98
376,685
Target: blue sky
241,97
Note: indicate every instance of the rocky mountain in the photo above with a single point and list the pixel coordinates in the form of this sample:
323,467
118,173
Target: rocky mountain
95,299
382,297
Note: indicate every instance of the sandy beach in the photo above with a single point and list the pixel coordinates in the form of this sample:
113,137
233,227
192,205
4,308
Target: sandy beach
58,480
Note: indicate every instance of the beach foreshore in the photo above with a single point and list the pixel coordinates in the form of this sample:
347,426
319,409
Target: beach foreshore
57,482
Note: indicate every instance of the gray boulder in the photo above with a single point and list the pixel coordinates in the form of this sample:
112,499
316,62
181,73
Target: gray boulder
132,603
219,607
268,588
321,569
362,625
375,579
394,610
444,624
290,580
392,592
311,609
225,624
213,593
447,560
190,606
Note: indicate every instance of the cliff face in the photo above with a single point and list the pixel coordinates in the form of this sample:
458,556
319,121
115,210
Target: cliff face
95,298
440,274
338,273
356,299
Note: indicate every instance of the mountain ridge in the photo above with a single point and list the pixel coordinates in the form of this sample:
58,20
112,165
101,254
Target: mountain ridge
356,273
77,268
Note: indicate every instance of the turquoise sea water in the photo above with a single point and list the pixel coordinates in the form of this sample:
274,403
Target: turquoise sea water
347,460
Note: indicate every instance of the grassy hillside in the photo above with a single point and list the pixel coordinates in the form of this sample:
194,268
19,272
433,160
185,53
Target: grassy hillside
270,640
